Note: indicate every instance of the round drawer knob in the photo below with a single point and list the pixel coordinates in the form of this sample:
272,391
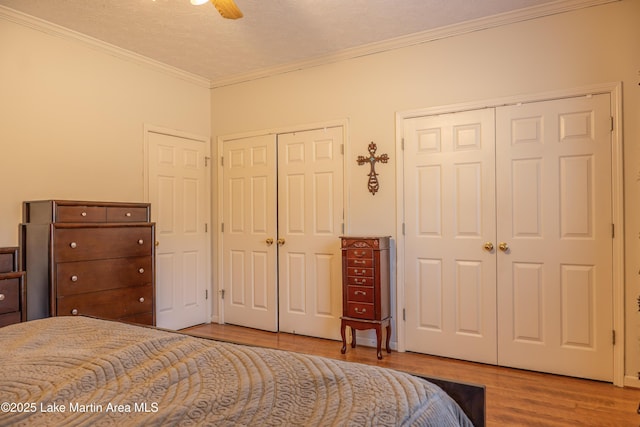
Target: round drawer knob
83,214
74,278
1,297
127,214
140,242
74,311
141,270
141,299
73,245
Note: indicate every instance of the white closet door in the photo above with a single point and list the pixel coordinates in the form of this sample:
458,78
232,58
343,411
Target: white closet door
450,278
554,213
248,240
310,217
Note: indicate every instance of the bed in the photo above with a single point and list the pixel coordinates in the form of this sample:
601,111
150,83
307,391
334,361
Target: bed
84,371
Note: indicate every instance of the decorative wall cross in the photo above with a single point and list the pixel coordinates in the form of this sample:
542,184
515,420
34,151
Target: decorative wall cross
373,183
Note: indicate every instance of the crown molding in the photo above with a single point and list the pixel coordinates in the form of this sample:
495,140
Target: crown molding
55,30
547,9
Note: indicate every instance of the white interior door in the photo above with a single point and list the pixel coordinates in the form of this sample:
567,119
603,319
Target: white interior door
555,214
179,193
250,232
310,218
450,278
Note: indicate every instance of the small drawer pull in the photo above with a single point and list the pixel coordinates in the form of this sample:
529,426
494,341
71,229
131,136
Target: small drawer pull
74,278
141,270
357,310
360,293
1,297
74,311
360,281
141,242
83,214
359,261
128,214
73,245
141,299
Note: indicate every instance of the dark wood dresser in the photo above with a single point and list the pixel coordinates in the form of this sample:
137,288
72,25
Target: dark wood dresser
12,290
89,258
365,288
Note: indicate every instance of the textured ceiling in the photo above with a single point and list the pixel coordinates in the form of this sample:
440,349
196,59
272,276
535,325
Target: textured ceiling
272,33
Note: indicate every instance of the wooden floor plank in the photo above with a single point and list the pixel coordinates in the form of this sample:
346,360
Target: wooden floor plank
514,397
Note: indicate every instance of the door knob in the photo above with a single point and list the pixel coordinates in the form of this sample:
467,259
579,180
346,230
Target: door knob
503,246
280,242
488,246
269,241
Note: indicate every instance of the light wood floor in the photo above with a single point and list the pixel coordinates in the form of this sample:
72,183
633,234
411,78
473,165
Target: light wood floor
514,397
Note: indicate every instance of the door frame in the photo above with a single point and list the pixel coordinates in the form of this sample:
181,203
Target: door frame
614,89
218,235
149,128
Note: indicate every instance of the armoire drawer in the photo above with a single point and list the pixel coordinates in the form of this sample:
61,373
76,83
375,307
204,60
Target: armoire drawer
360,294
77,244
110,304
97,275
359,281
361,311
360,272
360,253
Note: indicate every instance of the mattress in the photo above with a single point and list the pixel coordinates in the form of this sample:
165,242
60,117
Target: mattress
78,371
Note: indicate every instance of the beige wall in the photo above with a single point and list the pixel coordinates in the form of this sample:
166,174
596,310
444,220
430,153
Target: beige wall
585,47
72,117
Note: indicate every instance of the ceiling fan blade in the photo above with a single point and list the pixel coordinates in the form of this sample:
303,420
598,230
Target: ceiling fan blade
227,9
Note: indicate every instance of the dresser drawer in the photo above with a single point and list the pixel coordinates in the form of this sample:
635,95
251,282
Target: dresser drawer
8,259
360,272
9,295
98,275
81,214
360,294
110,304
141,318
9,318
127,214
361,310
77,244
360,253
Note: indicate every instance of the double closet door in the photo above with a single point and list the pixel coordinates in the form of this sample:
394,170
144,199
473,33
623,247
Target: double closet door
508,241
282,218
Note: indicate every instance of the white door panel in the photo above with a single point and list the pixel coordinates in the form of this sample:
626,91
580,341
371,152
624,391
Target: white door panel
249,218
310,170
449,276
179,196
554,205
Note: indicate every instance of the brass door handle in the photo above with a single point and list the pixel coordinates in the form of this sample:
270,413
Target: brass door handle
280,242
488,246
269,241
503,246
